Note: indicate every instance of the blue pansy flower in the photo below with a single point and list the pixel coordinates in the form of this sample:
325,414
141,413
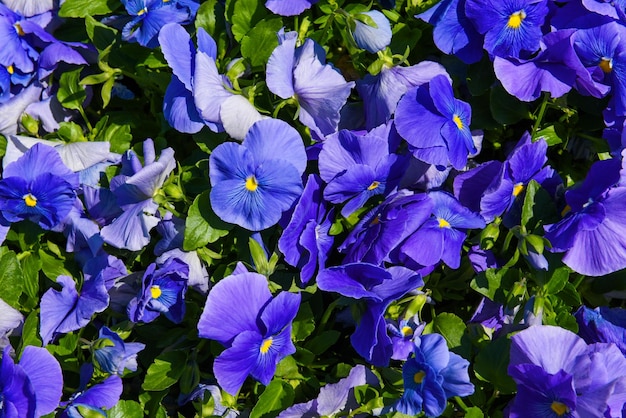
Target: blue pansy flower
148,17
96,398
436,124
372,38
257,334
116,358
431,376
289,7
162,292
38,187
252,184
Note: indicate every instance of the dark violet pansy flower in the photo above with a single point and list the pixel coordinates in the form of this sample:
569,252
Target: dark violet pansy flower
38,187
289,7
380,93
301,72
453,32
134,190
305,241
67,310
252,185
385,227
116,358
614,9
257,334
334,397
570,379
431,376
403,335
441,237
162,292
378,288
436,124
509,26
96,398
357,167
593,230
602,325
148,17
31,388
372,38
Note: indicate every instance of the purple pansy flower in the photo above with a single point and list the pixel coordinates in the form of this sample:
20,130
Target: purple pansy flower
148,17
372,38
38,187
257,335
252,185
116,358
436,124
301,72
602,325
31,388
289,7
96,398
67,310
378,288
509,26
162,292
403,335
305,241
431,376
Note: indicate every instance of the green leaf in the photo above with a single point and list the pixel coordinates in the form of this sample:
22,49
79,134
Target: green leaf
202,225
557,282
474,412
71,94
101,35
529,202
70,132
118,136
323,342
51,266
11,279
491,365
30,331
31,265
304,323
277,396
126,409
165,371
505,108
451,327
261,40
550,135
245,15
83,8
210,17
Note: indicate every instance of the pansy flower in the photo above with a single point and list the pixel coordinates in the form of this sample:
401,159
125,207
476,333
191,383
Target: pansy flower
116,358
602,325
301,72
289,7
436,124
162,292
372,38
95,398
38,187
148,17
252,184
509,26
257,335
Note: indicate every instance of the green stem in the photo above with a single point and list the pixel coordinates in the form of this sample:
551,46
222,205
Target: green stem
327,314
461,403
84,115
542,111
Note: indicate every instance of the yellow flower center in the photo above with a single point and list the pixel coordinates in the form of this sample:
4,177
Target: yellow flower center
606,65
155,291
30,200
19,29
406,331
142,11
565,210
251,183
265,346
516,19
419,377
443,223
517,189
559,408
457,120
10,69
373,185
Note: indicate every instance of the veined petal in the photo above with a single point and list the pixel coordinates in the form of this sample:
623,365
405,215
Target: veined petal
234,364
280,66
179,52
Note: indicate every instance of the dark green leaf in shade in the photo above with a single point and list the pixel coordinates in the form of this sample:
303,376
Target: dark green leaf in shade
71,94
491,365
505,108
100,35
202,225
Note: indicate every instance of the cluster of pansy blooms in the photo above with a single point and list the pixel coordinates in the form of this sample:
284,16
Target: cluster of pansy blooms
326,221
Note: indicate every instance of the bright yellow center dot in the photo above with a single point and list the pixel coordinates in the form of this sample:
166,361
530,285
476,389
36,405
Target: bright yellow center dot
565,210
443,223
30,200
457,120
19,29
265,347
155,291
517,189
251,183
515,20
419,377
559,408
606,65
406,331
142,11
10,69
373,185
